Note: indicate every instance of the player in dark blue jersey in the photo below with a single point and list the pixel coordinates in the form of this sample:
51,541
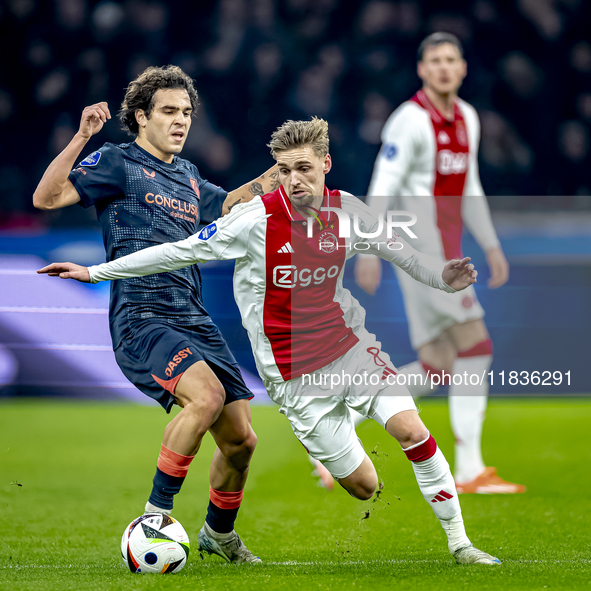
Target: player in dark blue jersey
164,340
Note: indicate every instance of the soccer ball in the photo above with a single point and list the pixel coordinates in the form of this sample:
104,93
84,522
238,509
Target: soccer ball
155,543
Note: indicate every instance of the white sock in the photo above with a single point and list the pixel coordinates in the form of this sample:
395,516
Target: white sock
218,536
439,490
417,382
149,508
467,407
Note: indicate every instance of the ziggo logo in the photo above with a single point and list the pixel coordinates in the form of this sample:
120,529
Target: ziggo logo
449,162
288,276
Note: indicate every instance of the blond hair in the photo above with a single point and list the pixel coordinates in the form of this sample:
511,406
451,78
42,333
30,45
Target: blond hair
295,134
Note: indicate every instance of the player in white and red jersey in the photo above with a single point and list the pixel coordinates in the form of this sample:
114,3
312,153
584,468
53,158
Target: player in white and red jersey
305,328
428,165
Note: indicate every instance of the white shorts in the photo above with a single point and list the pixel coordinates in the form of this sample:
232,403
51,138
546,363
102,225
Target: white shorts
319,411
430,311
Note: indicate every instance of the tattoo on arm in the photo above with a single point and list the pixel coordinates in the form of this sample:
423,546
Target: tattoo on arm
233,204
275,182
256,189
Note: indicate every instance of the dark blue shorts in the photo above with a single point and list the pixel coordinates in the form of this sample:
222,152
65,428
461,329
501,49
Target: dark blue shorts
157,355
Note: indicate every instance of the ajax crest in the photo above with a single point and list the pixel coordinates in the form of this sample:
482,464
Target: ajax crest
461,134
328,242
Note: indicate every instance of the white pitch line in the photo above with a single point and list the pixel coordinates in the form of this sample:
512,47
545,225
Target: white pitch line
305,563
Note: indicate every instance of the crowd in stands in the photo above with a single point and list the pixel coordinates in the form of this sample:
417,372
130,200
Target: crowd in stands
257,63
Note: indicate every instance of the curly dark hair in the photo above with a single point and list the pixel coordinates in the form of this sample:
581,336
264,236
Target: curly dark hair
140,93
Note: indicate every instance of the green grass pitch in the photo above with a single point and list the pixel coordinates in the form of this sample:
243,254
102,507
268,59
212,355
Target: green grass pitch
74,474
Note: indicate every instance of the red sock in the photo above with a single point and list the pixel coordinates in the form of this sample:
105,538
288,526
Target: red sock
170,475
222,510
172,463
421,451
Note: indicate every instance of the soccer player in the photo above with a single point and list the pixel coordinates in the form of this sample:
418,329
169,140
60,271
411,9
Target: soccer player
428,165
305,329
164,340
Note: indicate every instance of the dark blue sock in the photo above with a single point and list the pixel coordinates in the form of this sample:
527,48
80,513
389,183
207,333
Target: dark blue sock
164,489
221,520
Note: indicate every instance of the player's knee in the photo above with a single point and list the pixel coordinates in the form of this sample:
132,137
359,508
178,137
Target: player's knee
361,486
413,437
239,449
408,429
250,442
214,397
244,444
365,489
207,406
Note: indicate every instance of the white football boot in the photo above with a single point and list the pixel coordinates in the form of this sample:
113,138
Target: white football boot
472,555
230,547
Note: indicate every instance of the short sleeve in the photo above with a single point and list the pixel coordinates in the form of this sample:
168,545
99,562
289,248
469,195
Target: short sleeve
100,176
211,200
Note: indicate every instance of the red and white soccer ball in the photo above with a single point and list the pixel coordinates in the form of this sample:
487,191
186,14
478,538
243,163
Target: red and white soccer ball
155,543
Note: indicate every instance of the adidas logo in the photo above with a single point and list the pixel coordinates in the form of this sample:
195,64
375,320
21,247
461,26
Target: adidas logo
286,248
442,496
388,372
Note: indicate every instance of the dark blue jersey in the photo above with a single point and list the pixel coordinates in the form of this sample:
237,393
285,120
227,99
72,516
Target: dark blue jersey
142,201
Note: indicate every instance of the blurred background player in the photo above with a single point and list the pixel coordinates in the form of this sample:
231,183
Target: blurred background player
164,340
428,165
302,322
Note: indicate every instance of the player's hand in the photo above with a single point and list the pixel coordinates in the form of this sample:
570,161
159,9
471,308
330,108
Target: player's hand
499,267
459,274
93,118
368,273
67,271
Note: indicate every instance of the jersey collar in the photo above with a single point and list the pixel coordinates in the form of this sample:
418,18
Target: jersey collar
171,165
433,111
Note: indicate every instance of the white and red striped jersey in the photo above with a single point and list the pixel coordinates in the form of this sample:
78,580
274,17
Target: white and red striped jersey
429,165
288,281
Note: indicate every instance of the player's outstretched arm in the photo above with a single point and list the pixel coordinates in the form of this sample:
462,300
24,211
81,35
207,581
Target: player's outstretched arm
148,261
224,239
459,273
67,271
267,182
54,189
454,276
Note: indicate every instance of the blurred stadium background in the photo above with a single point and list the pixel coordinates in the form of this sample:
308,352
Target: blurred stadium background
257,63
